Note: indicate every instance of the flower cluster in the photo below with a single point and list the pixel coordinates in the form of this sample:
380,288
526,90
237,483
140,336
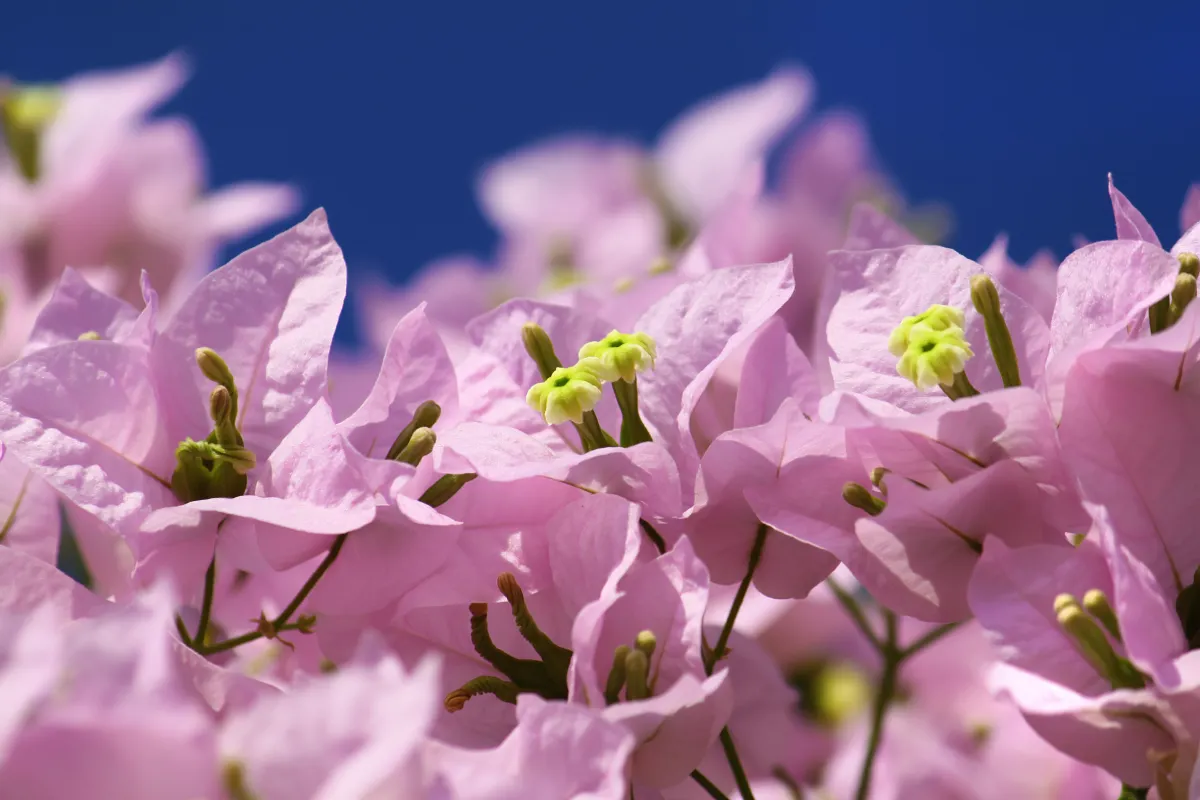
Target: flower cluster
818,511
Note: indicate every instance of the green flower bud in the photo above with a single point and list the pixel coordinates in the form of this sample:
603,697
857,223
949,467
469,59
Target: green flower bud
424,416
637,670
446,487
858,496
214,367
1096,603
616,675
540,349
1182,295
986,299
1094,645
420,444
1190,264
621,355
220,406
877,476
25,114
646,642
568,393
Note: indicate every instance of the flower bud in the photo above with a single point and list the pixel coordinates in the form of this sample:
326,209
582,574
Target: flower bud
616,675
540,349
420,444
214,367
1094,645
220,405
858,496
637,670
424,416
1096,603
646,642
445,488
1189,264
986,299
1182,295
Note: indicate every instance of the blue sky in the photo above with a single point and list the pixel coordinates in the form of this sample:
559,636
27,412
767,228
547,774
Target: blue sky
1012,112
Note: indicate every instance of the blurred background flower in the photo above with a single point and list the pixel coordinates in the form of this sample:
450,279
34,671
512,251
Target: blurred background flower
1009,114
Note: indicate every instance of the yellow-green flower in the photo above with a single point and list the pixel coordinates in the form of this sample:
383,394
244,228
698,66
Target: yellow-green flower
936,317
621,355
568,393
932,347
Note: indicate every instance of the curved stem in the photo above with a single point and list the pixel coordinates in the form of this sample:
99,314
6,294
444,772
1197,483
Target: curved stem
210,579
228,644
854,610
713,791
929,638
280,622
311,583
735,764
181,629
756,551
892,658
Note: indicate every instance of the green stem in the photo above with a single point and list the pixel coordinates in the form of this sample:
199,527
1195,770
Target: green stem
633,430
229,644
1133,793
854,610
181,628
960,388
311,583
245,638
713,791
756,551
929,638
892,658
591,435
280,622
210,579
735,764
